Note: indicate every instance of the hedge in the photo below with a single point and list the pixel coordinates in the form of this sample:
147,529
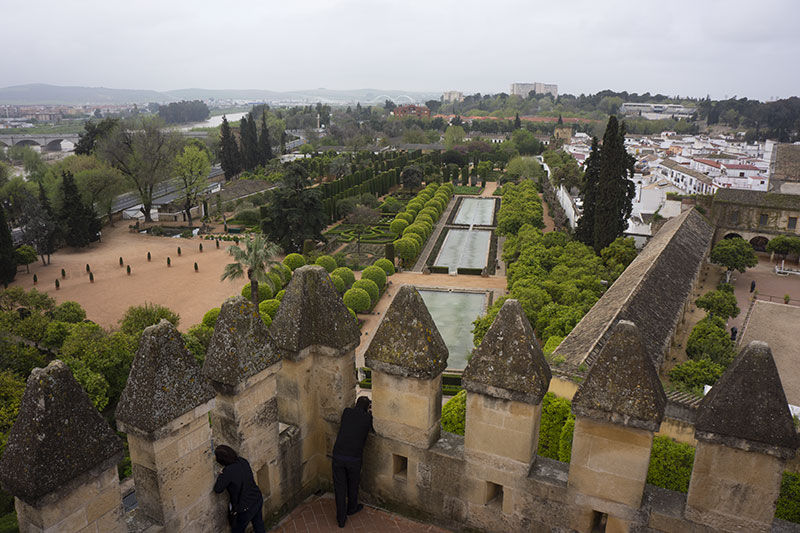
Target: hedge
386,266
670,464
555,412
210,318
454,413
789,499
370,287
294,261
357,299
327,262
346,274
375,274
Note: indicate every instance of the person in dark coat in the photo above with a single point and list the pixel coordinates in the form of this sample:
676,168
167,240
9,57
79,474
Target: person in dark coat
245,496
347,454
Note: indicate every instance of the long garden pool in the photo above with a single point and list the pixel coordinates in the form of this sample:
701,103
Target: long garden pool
453,313
464,249
475,211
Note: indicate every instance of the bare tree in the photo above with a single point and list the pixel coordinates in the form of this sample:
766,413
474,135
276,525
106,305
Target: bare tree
362,217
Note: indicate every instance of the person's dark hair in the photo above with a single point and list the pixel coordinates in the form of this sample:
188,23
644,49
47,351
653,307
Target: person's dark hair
363,403
225,455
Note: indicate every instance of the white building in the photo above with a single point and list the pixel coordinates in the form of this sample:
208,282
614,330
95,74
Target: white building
686,179
537,87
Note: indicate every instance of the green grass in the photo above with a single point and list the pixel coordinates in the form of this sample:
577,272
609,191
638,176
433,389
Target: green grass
467,189
47,129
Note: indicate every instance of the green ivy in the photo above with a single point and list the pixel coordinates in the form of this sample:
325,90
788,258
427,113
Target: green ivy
670,464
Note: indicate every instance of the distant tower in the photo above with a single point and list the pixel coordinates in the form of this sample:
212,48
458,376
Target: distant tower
317,120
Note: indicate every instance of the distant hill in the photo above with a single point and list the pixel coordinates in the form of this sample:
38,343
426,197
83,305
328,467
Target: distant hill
39,93
59,95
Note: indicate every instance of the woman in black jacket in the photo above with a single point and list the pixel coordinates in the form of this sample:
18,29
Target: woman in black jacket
245,496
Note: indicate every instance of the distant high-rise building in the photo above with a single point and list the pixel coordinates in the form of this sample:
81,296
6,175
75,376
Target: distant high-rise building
537,87
452,96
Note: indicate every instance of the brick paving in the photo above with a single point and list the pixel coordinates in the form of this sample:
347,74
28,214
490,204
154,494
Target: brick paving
318,515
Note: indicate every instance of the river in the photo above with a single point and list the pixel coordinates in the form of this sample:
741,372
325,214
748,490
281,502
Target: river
212,122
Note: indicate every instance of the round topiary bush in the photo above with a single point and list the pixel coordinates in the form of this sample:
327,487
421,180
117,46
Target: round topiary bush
371,287
398,225
264,291
294,261
408,217
424,217
385,265
327,262
418,228
375,274
269,307
266,318
210,318
279,296
418,242
454,413
285,272
406,249
357,299
338,283
276,279
353,313
347,276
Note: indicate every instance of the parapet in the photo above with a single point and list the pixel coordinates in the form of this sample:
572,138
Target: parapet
407,342
241,346
313,314
509,363
622,386
57,438
747,408
164,382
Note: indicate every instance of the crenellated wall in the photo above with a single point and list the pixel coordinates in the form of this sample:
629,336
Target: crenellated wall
276,395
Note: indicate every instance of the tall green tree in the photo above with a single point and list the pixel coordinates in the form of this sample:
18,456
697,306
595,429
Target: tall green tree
614,191
92,134
77,217
254,261
585,229
143,151
264,142
733,254
517,122
192,167
230,157
8,264
296,213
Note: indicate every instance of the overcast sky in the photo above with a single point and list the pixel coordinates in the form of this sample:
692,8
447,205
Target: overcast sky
697,47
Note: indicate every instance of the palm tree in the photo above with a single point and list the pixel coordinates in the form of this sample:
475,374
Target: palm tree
254,260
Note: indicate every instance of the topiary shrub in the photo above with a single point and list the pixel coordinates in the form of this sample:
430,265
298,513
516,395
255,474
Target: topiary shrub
454,413
264,291
338,283
353,314
670,464
269,307
555,412
279,296
347,276
789,498
406,250
276,280
385,265
397,226
210,318
371,287
294,261
357,299
266,319
284,271
375,274
408,217
327,262
565,441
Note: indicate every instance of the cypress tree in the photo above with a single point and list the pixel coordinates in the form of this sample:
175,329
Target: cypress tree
264,142
585,230
229,151
8,265
615,191
252,137
517,122
74,214
244,143
46,244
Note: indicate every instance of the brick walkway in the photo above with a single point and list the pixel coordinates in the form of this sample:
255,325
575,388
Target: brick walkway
318,515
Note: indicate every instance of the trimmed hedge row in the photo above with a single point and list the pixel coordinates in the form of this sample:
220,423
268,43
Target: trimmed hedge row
421,214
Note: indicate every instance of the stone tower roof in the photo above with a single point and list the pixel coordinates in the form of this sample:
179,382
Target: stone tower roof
509,363
164,382
622,386
652,292
747,407
313,314
57,437
407,342
241,346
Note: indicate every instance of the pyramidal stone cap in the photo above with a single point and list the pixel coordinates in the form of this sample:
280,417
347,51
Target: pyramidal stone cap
747,408
407,342
164,382
622,386
313,314
241,346
509,364
58,439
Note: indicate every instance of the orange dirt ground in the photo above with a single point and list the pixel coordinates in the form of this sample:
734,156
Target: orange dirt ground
179,287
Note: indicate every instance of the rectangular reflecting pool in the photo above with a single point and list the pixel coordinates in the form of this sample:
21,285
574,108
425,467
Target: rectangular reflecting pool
477,211
453,313
464,248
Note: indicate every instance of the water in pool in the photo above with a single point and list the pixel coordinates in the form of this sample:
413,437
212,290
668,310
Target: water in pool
453,313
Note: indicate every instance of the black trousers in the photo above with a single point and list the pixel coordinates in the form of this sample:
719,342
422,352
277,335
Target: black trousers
252,515
346,476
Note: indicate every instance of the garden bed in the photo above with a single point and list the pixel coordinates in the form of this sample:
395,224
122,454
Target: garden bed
374,234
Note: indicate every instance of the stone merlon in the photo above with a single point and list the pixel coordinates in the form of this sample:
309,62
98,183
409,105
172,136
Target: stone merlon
164,382
407,342
747,407
622,386
509,363
313,314
241,346
57,438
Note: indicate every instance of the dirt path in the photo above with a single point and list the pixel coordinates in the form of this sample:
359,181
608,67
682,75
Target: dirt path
549,224
179,287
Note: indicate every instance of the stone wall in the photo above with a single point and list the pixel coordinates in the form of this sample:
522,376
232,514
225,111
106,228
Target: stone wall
276,395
